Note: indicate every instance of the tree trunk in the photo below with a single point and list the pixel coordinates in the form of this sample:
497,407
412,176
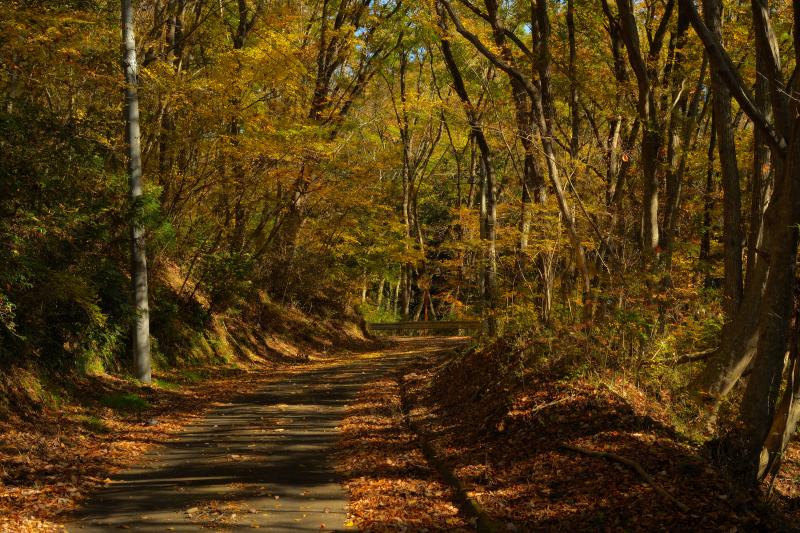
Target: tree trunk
708,196
396,298
760,186
574,108
739,344
726,147
141,326
379,294
683,118
407,186
648,116
488,200
546,116
759,403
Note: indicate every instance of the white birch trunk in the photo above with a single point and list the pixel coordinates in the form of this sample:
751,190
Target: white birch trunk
141,326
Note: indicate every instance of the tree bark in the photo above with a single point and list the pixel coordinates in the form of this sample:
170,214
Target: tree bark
141,325
729,172
574,107
648,116
759,403
760,185
708,196
683,120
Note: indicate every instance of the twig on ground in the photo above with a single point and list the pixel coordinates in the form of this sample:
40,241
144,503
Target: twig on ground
635,466
688,358
550,404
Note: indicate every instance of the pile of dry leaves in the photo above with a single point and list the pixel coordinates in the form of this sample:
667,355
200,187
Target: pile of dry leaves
528,453
558,455
391,486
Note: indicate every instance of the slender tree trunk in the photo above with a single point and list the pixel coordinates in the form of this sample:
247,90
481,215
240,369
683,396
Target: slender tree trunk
490,272
379,294
726,147
616,128
396,298
406,278
574,107
488,192
708,196
141,327
546,116
364,286
648,116
675,179
407,185
682,120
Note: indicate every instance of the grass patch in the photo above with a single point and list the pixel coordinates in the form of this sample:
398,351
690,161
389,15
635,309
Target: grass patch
166,385
126,402
94,424
192,376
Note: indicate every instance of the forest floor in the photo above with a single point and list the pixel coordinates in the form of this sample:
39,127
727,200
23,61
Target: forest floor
412,437
446,443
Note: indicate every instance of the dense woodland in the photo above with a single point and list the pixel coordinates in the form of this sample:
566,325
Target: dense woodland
612,186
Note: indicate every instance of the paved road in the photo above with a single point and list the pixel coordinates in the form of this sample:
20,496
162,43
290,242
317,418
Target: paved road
263,461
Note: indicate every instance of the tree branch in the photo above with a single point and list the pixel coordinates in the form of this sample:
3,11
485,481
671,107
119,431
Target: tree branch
730,76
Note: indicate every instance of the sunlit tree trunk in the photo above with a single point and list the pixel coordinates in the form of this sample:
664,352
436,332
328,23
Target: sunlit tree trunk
141,326
648,115
379,294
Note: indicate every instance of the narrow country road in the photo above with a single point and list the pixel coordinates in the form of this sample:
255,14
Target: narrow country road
262,461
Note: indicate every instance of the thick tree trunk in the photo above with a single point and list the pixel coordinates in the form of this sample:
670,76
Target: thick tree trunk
766,423
760,183
787,416
738,345
759,403
141,326
651,144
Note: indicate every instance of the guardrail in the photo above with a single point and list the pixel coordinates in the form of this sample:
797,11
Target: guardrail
427,326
